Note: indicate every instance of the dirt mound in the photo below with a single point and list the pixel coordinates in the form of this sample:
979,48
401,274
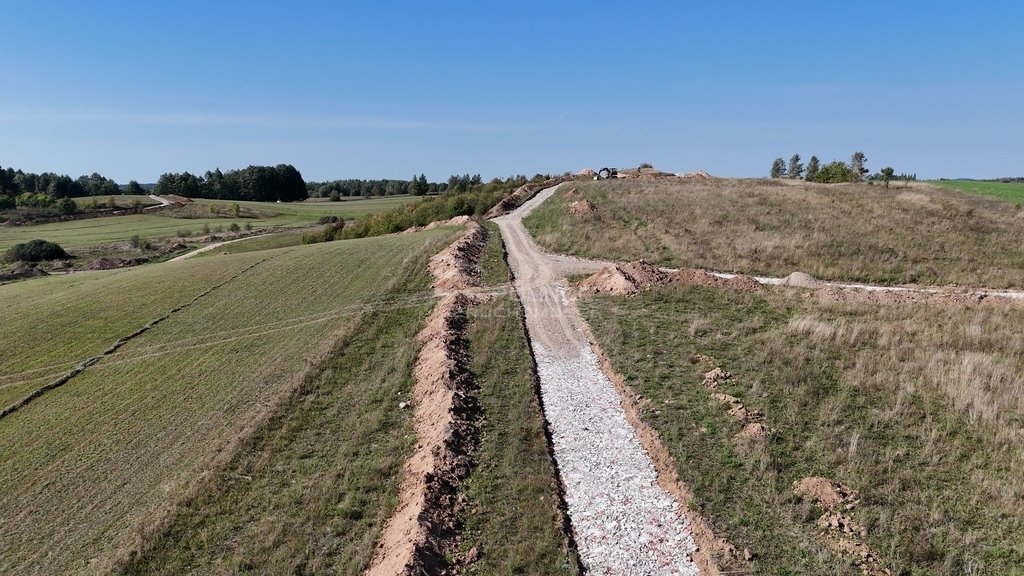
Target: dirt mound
456,221
580,208
22,273
587,173
177,199
624,279
457,267
744,283
824,492
522,194
106,263
801,280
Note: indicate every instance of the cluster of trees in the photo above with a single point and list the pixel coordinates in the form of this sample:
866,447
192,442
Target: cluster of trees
48,190
463,196
335,189
257,183
833,172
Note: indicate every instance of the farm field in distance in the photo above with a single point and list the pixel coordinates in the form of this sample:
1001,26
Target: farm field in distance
94,231
103,461
852,232
1009,191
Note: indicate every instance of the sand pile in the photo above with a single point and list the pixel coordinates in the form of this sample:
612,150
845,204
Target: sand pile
801,280
587,173
580,208
624,279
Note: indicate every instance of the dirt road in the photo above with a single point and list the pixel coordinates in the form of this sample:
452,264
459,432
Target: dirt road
213,246
624,522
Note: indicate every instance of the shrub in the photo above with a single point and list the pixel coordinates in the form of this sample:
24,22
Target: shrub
35,251
139,243
7,203
234,227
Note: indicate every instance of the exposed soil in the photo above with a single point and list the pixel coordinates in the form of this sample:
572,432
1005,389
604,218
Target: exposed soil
107,263
522,194
457,266
22,274
801,280
421,537
633,277
839,531
837,294
580,208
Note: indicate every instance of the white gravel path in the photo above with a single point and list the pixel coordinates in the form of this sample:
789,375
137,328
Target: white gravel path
624,522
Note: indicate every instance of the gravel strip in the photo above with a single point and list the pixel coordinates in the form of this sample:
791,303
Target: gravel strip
624,522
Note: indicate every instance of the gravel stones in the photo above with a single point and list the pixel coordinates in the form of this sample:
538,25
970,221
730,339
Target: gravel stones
624,522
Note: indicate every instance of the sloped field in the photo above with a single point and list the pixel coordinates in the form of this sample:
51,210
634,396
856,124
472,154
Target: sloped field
924,234
92,470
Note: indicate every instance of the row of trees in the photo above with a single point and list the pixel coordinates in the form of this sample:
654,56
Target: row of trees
417,186
832,172
20,188
256,183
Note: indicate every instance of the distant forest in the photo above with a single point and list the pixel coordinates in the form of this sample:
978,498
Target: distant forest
19,188
256,183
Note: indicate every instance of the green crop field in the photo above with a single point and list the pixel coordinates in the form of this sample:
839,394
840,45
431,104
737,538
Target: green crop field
918,408
93,231
1010,191
261,345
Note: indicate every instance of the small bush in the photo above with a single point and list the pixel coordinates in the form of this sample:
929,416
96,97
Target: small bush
234,227
35,251
140,243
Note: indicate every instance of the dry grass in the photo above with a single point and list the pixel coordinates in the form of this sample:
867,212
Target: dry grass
917,407
843,232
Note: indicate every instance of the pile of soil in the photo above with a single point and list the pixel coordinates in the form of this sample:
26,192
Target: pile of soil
580,208
825,493
633,277
106,263
801,280
624,279
522,194
587,173
22,273
177,199
457,266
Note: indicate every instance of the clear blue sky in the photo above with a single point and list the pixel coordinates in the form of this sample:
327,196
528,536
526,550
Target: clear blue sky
388,89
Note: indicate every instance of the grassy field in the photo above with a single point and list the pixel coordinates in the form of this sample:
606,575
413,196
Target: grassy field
1010,191
513,522
842,232
294,380
121,200
916,407
266,242
93,231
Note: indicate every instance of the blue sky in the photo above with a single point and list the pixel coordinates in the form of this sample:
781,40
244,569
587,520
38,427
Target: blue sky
388,89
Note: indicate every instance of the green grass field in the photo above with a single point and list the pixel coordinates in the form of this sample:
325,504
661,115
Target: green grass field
93,231
121,200
916,407
295,354
1009,191
853,232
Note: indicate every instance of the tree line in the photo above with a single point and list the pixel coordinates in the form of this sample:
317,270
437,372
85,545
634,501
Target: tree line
353,187
256,183
26,189
833,172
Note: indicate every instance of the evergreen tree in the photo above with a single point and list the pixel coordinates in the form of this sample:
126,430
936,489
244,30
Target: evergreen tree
887,175
813,167
778,168
857,169
796,169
